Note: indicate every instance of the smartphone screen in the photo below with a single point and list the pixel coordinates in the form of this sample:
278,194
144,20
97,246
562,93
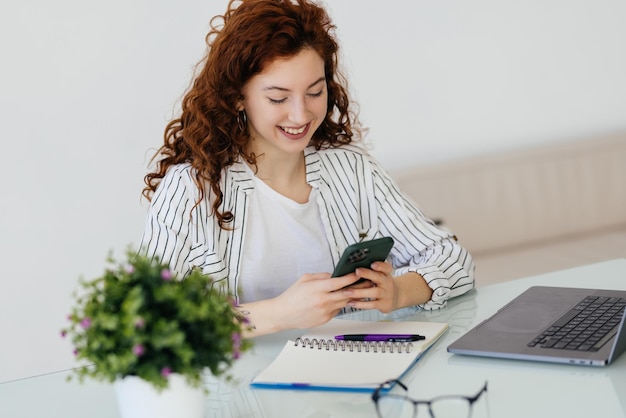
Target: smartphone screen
363,254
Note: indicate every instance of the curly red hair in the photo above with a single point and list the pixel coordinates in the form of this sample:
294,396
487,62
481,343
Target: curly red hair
241,43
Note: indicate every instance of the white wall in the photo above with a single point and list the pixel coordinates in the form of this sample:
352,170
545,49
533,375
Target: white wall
86,88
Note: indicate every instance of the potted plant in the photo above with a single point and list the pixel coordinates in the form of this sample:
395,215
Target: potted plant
140,325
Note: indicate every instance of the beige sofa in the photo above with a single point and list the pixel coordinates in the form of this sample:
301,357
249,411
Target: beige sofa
533,210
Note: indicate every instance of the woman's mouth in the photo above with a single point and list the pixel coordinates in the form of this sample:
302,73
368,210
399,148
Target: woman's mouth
295,132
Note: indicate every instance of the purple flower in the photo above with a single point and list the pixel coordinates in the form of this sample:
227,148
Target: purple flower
140,323
85,323
75,351
166,372
63,333
138,350
236,337
166,274
130,269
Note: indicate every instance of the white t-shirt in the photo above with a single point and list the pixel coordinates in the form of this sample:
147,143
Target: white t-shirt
284,240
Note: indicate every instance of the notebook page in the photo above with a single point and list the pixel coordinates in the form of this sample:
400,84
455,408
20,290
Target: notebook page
300,366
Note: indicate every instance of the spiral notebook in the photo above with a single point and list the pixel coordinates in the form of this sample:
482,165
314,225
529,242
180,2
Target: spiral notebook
316,361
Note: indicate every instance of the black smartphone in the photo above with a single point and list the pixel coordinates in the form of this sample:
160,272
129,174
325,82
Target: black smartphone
363,254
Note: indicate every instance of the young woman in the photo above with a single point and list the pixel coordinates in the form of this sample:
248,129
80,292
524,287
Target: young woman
262,182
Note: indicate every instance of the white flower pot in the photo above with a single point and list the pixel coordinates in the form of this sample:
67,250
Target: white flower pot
138,399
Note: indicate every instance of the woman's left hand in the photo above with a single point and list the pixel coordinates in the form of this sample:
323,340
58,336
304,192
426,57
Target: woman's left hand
385,292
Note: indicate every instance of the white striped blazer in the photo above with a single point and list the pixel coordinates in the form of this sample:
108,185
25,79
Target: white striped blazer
356,197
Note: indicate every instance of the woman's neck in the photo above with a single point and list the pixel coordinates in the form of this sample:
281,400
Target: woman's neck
286,176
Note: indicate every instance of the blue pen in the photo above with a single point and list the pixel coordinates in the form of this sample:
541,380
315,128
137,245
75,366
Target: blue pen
381,337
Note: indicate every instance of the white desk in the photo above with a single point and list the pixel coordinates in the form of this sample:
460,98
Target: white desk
516,389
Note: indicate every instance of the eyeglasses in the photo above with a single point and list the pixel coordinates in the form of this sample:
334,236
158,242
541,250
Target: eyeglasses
401,406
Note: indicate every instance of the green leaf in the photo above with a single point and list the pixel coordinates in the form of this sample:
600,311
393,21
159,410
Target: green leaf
184,325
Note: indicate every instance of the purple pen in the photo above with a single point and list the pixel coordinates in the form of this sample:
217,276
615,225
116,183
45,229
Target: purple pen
381,337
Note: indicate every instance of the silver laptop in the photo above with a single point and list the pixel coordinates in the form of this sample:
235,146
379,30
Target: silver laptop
552,324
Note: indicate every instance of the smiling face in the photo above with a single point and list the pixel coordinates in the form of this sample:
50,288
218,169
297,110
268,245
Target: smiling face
286,103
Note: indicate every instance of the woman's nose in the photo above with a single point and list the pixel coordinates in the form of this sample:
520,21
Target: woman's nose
298,111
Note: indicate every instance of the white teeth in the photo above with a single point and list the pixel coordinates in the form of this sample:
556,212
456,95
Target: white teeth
293,131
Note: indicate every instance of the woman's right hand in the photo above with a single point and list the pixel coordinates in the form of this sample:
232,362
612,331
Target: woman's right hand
314,299
311,301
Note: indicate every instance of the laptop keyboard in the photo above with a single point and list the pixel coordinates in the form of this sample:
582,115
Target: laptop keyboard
585,327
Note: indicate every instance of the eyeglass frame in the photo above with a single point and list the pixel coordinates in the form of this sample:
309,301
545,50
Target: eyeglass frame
376,395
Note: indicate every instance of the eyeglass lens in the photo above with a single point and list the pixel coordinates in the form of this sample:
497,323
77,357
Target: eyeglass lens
394,406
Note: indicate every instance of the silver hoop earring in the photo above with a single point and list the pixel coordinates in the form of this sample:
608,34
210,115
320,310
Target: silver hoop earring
242,120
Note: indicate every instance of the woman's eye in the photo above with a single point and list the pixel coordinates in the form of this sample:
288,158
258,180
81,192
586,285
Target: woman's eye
284,99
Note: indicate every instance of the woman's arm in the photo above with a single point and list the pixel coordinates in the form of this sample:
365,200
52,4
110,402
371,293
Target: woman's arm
424,253
312,300
170,228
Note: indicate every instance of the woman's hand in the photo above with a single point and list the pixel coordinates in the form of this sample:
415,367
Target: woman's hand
387,293
316,298
312,300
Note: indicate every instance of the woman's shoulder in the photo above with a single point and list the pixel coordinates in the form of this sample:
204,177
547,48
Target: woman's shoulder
186,175
180,170
350,151
178,177
353,153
